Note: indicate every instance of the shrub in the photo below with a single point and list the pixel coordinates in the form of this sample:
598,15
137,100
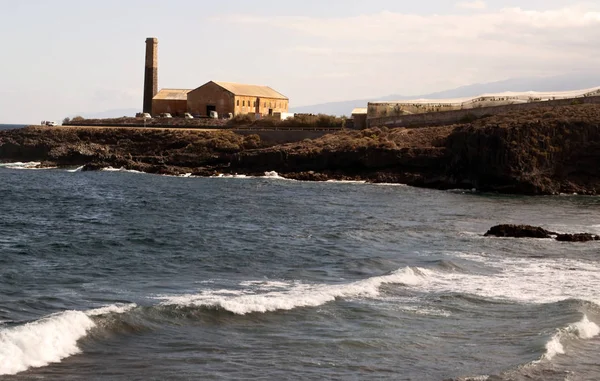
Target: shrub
242,119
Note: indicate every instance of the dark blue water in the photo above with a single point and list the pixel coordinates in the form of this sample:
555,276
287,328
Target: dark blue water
116,275
11,126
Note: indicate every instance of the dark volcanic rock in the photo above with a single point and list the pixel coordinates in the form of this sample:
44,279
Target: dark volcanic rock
582,237
519,231
93,167
547,150
526,231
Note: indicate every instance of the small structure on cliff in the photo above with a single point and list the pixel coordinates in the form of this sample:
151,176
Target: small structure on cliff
222,97
172,101
359,117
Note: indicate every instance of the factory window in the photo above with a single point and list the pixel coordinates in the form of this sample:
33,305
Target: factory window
238,103
265,104
254,104
244,103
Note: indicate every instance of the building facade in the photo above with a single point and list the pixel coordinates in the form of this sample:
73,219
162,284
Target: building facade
237,99
172,101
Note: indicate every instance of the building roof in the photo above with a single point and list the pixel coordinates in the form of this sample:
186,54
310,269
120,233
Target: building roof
358,111
250,90
172,94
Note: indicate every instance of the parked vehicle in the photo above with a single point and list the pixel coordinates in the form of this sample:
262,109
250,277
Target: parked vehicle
146,115
187,115
166,115
214,115
50,123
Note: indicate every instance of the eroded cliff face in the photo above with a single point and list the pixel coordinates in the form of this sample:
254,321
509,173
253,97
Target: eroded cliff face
549,151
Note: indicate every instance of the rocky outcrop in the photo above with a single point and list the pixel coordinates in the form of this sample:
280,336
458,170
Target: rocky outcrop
527,231
544,151
581,237
519,231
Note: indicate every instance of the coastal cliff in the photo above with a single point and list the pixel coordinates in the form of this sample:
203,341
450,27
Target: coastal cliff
548,150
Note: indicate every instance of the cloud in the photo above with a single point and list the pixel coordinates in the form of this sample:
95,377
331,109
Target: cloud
477,4
414,53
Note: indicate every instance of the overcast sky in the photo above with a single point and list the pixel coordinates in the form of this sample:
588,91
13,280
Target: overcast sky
63,57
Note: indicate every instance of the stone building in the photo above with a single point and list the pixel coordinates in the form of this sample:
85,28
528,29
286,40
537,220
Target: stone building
359,117
236,98
172,101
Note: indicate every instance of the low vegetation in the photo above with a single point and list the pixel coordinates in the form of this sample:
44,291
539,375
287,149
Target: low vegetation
300,120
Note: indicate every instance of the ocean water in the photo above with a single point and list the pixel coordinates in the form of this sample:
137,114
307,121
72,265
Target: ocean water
116,275
11,126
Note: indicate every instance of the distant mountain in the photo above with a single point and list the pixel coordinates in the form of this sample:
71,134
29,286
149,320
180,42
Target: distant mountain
557,83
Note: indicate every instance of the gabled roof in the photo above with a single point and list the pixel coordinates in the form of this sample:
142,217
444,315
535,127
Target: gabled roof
250,90
172,94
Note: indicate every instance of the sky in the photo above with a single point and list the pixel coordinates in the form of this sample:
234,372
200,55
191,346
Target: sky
65,57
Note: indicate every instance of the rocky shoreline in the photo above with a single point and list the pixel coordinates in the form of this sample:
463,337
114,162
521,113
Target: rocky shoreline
550,150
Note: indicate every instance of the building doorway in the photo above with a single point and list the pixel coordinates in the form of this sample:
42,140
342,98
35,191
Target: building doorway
270,112
210,108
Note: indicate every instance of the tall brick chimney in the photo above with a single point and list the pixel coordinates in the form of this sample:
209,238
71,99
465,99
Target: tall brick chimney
151,73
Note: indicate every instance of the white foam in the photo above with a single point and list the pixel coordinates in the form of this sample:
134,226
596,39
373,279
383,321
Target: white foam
346,181
48,340
275,176
111,169
21,165
522,280
78,169
229,176
42,342
584,330
112,309
296,296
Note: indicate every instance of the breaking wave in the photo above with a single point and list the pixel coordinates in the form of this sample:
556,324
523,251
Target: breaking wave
298,295
21,165
78,169
111,169
48,340
584,330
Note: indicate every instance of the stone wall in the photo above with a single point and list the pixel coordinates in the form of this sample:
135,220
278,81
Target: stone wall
457,116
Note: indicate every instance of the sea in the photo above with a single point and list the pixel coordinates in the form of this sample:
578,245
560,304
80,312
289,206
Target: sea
119,275
11,126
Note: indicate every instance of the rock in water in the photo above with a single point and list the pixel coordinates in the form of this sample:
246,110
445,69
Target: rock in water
519,231
582,237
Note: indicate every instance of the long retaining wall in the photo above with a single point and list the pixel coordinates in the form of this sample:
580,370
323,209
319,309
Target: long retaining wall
457,116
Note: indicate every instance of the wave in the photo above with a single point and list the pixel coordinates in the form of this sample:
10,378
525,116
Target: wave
22,165
227,176
48,340
78,169
297,296
111,169
521,280
584,330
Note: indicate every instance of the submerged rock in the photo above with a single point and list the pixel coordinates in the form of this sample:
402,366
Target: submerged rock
581,237
519,231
